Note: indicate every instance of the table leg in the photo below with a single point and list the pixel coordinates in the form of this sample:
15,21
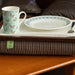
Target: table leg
70,69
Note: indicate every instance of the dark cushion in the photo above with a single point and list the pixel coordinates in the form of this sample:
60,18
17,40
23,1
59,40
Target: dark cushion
23,4
20,3
0,7
62,8
41,46
44,3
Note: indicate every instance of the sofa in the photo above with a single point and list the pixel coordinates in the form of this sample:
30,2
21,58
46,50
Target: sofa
48,7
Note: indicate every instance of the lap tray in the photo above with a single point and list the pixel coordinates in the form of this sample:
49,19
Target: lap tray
34,42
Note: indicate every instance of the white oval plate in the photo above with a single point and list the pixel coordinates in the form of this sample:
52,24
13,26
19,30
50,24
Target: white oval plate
47,22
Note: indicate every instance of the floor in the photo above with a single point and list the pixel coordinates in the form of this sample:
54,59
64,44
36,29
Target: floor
59,71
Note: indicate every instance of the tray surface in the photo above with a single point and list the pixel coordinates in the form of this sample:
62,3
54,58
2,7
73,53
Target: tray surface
26,31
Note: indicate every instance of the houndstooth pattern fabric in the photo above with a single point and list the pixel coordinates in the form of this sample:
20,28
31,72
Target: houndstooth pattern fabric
39,48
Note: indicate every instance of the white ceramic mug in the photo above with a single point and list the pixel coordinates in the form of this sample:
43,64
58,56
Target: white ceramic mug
11,19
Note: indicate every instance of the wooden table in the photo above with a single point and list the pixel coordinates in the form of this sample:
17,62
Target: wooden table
34,65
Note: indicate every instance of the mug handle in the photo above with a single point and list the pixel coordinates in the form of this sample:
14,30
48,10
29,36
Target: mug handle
22,12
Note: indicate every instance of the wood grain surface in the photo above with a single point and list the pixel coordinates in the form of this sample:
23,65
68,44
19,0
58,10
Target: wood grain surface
32,65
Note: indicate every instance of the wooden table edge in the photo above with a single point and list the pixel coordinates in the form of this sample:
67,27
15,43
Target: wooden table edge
53,67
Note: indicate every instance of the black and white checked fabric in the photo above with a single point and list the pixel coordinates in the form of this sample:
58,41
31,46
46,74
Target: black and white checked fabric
39,48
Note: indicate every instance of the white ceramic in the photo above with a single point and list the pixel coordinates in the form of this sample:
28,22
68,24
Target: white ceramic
11,18
48,22
26,31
